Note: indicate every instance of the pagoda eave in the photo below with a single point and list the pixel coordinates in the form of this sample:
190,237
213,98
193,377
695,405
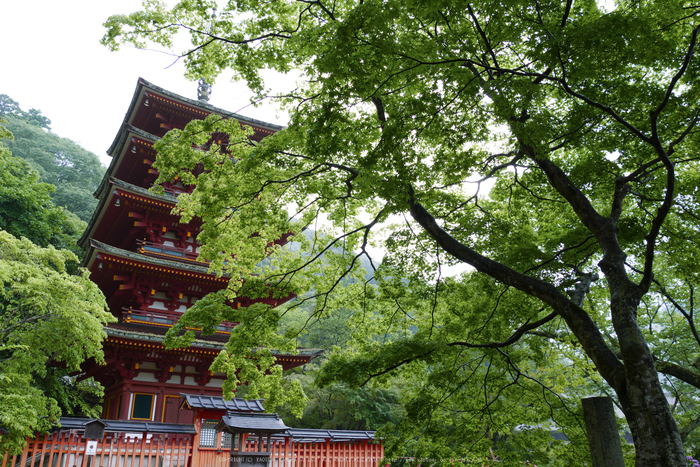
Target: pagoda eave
147,97
133,155
110,206
119,335
105,253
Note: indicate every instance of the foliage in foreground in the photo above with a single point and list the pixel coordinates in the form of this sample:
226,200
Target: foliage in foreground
335,406
582,121
51,314
47,316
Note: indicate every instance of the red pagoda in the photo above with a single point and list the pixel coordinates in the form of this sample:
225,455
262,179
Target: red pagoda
145,262
164,407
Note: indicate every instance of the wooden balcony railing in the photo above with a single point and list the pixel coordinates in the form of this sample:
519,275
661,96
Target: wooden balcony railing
166,251
166,318
174,190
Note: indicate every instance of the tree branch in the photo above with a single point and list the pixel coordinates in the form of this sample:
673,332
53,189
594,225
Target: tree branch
677,371
578,320
514,337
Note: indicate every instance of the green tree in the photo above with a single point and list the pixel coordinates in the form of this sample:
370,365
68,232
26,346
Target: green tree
339,407
47,317
36,379
10,108
75,172
27,210
335,406
583,122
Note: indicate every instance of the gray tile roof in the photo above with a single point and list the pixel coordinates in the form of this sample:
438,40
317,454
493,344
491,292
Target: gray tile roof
114,331
165,197
150,260
203,105
143,86
122,138
265,423
219,403
255,422
70,423
103,194
308,435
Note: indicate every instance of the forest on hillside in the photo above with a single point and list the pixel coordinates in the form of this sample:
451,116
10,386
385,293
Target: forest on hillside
74,171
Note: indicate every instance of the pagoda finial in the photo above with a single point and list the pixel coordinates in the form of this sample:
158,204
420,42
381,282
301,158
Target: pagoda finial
204,88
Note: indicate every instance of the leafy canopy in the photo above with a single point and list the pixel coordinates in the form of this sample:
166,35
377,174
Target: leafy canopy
547,145
47,316
10,108
51,314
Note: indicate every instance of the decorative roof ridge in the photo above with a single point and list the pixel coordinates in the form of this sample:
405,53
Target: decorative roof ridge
203,105
142,84
150,260
158,338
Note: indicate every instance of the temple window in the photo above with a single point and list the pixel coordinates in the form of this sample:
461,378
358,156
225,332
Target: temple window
142,408
207,435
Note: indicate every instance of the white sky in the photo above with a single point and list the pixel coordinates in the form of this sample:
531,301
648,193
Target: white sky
51,59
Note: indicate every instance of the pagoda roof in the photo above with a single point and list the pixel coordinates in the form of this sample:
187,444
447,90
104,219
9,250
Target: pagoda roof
105,194
133,426
309,435
165,197
196,107
174,267
126,134
118,331
195,401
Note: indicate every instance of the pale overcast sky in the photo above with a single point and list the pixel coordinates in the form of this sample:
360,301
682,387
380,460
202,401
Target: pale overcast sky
52,60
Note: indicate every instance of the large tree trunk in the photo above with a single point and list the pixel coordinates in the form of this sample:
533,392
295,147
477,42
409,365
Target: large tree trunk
657,440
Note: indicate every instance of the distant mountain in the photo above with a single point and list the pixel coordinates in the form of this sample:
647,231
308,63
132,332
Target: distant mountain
364,261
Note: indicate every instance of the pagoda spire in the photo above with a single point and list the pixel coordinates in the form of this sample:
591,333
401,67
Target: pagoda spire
204,88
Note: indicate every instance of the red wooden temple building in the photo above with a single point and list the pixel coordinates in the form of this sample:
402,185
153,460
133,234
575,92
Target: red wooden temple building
163,406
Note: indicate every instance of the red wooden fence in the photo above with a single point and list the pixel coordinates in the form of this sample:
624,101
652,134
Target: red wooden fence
287,453
153,450
65,449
